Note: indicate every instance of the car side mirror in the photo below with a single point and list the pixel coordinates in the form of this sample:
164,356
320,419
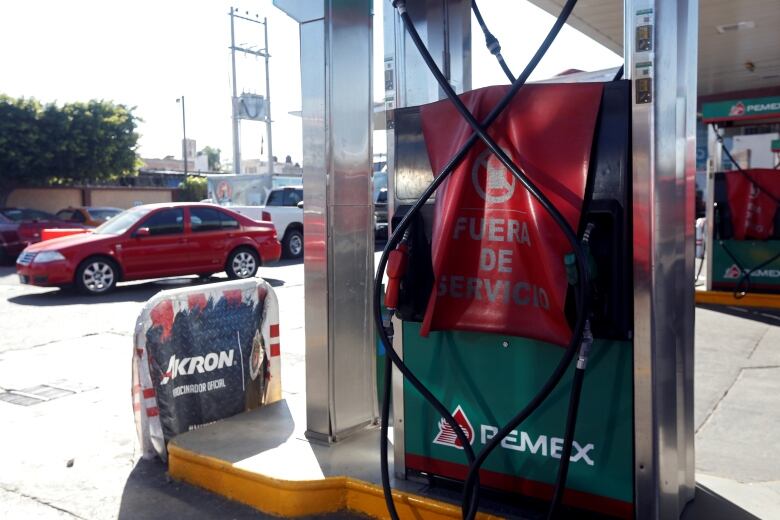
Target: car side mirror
142,232
300,205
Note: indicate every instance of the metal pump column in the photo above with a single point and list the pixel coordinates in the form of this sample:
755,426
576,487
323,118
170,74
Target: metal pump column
660,51
336,65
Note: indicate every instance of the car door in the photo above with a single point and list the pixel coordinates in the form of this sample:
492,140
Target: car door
210,233
161,252
289,211
292,196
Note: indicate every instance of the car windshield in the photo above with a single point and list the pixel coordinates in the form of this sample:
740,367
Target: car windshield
27,215
103,213
122,222
13,214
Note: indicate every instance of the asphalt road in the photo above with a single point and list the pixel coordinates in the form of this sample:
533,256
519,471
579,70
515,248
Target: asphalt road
76,456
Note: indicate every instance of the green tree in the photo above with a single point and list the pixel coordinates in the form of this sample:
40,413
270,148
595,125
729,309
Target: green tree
213,157
192,189
78,142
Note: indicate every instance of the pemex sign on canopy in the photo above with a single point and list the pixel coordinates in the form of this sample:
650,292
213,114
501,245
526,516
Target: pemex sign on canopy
741,109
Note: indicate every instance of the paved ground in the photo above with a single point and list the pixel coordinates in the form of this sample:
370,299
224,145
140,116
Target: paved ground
76,456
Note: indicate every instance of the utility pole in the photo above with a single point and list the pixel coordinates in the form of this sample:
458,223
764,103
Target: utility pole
259,103
184,131
236,135
268,103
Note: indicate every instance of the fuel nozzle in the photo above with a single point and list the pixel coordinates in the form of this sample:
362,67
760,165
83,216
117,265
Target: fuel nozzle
585,345
397,262
570,259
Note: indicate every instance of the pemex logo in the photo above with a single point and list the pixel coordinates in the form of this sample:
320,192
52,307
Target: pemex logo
447,436
732,272
737,109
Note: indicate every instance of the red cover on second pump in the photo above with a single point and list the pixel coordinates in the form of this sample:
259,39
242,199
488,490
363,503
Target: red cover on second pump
498,256
753,210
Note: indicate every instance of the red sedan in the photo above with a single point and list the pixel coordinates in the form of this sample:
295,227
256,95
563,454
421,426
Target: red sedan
11,243
152,241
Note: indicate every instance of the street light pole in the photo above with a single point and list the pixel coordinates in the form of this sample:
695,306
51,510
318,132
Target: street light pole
184,131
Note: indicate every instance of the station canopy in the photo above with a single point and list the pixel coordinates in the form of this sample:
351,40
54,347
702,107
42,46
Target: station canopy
739,40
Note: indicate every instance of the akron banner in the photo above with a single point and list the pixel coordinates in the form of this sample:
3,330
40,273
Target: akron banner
202,354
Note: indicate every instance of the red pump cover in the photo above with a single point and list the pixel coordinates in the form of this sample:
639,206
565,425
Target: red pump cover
498,256
752,210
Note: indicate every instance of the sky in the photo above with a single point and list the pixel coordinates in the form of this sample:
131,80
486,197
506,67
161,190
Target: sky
148,53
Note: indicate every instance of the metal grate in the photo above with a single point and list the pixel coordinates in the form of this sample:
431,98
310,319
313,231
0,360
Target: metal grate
34,395
21,400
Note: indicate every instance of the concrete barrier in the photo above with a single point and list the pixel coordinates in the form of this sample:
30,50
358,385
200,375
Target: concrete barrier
202,354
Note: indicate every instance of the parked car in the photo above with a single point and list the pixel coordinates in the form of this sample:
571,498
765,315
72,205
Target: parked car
32,221
283,207
11,243
152,241
89,216
380,214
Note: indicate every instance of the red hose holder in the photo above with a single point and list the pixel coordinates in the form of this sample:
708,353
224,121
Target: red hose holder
397,261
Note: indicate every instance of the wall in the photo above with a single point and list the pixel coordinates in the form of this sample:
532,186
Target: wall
45,199
125,198
760,146
55,199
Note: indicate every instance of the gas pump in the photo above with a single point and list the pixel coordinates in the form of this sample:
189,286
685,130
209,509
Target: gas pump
522,265
744,209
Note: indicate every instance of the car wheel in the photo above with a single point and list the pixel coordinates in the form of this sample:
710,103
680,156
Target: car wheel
242,263
96,276
292,245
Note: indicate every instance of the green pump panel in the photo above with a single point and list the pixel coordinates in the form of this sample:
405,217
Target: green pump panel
488,378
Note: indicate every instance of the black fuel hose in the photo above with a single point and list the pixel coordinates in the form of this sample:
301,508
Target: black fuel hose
395,239
491,42
740,169
582,286
744,282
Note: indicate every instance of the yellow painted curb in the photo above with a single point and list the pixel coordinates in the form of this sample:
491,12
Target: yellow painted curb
766,301
298,498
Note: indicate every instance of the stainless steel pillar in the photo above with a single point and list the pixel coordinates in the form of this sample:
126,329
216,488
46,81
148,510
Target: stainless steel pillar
660,51
336,56
445,26
714,164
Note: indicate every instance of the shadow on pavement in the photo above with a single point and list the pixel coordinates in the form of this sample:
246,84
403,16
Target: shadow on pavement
710,506
766,316
239,437
283,263
130,292
151,495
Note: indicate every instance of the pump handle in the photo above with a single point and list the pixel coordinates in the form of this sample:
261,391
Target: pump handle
397,262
